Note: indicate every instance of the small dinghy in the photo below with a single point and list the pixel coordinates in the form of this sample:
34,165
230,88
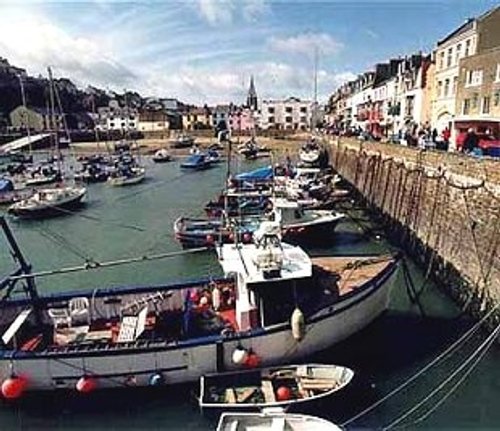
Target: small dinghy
161,156
46,202
280,386
273,421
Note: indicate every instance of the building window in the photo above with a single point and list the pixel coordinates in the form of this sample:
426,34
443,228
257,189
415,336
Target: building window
303,119
441,60
485,107
446,87
475,99
455,83
449,58
440,88
288,109
288,119
303,109
270,120
458,53
466,107
474,78
270,110
467,48
496,98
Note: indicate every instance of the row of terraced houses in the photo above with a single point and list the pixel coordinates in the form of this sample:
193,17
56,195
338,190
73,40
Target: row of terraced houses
457,86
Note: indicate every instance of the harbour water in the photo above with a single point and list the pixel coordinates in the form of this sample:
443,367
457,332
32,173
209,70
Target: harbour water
127,222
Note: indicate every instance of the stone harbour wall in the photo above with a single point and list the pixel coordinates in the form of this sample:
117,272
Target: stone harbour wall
444,208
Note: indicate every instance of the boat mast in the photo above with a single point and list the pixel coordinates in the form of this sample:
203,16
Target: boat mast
53,118
23,100
315,91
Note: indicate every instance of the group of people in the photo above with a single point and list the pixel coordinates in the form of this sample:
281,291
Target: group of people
425,136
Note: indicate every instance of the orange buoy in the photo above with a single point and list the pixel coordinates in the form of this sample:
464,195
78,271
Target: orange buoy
283,393
86,384
13,387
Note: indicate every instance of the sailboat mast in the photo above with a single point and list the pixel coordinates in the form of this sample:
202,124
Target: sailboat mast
23,100
54,124
315,91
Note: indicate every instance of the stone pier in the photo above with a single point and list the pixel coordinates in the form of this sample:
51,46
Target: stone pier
444,208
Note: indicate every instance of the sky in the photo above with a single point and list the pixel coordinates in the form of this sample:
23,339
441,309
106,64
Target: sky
205,51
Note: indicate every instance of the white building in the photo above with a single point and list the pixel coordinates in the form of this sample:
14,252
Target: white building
289,114
459,44
116,118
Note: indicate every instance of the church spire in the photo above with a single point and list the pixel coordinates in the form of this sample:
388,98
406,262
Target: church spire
252,96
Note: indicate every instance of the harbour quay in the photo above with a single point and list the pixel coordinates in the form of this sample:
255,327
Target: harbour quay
442,207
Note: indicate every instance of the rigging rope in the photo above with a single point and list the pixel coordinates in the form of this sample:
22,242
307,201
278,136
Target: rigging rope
456,385
93,265
484,345
445,353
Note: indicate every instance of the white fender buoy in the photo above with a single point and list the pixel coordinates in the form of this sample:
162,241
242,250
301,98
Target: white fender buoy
239,355
298,324
216,297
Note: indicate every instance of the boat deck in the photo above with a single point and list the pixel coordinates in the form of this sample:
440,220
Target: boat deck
352,271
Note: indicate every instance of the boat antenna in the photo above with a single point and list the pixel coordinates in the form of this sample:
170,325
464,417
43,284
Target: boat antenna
25,113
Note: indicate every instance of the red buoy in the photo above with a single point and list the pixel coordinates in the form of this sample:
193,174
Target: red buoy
86,384
13,388
252,360
194,296
283,393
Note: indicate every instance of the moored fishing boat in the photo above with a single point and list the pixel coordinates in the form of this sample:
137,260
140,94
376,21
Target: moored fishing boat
46,202
273,421
197,162
280,386
173,333
127,176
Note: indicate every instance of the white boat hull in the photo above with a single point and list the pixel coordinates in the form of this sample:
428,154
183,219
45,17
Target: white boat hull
127,181
115,366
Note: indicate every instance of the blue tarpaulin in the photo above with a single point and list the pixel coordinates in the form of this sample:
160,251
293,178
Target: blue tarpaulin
6,185
261,174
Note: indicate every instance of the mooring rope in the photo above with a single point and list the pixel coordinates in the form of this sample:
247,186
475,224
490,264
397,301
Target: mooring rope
444,354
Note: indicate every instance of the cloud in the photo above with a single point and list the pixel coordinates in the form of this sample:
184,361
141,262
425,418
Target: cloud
217,12
273,80
34,42
306,43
